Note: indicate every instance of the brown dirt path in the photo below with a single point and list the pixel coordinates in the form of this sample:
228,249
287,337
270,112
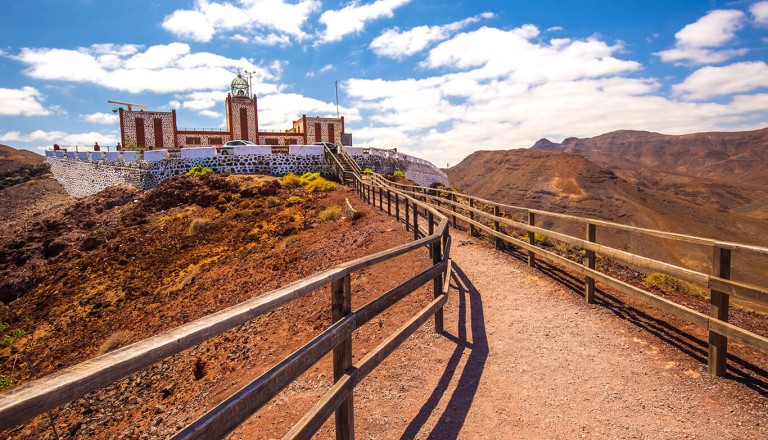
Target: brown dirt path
525,358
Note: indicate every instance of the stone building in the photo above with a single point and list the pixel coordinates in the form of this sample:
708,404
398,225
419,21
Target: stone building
158,130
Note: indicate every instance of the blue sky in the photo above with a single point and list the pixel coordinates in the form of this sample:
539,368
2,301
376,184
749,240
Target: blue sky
435,79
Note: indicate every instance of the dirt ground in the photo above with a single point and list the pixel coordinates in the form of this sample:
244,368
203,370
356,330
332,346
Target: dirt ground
525,357
522,355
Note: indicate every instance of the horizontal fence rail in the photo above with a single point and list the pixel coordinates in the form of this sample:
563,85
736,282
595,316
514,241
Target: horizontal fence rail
485,216
39,396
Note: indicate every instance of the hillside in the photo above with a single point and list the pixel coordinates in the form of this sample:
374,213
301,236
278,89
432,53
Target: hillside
569,183
725,169
123,265
17,166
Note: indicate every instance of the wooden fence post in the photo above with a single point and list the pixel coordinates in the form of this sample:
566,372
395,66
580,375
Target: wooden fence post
718,344
341,305
430,230
496,226
389,202
589,282
397,207
453,208
471,217
415,221
381,198
407,216
437,287
531,239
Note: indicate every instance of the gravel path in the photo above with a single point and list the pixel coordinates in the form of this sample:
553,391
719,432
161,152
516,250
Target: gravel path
534,361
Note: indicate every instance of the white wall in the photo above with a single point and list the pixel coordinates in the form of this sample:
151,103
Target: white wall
198,152
305,150
258,149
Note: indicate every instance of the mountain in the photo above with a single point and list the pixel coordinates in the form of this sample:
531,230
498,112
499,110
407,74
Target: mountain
723,169
570,183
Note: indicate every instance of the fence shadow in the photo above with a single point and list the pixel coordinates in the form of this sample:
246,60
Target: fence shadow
738,370
470,317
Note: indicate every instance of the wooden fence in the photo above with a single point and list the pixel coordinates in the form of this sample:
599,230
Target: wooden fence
487,216
39,396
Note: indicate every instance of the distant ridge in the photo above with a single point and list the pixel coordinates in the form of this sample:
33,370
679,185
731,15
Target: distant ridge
724,169
636,178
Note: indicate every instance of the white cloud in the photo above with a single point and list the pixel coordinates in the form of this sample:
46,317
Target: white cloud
397,44
326,68
526,60
208,18
278,111
353,17
713,30
272,40
713,81
101,118
210,113
160,69
26,101
699,55
60,137
760,12
482,97
694,42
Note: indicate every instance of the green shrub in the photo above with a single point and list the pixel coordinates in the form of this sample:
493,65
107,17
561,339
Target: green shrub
398,173
5,382
197,225
320,185
330,214
199,170
367,171
10,338
666,282
271,202
290,180
293,200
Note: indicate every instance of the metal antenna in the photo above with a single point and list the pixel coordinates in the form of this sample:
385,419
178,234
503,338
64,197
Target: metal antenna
336,83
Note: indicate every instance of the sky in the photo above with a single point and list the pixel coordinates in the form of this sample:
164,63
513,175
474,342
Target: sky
435,79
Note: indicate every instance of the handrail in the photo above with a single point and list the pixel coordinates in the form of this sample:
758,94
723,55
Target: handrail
351,161
757,250
41,395
339,167
721,287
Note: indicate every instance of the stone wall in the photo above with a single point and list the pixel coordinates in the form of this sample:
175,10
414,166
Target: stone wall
87,175
81,178
422,172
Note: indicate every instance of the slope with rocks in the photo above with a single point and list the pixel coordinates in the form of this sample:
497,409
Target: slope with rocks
724,169
569,183
122,265
17,166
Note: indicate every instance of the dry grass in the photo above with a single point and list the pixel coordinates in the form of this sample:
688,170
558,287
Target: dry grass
117,340
290,180
665,282
198,225
330,214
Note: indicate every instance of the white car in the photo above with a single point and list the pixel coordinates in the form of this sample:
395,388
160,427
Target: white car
228,148
239,143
